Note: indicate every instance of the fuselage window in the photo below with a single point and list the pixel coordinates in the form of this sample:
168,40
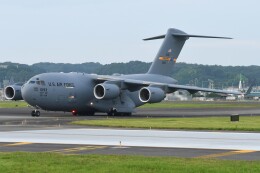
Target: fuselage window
32,82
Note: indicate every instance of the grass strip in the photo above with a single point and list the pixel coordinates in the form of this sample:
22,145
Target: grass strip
251,123
55,163
13,104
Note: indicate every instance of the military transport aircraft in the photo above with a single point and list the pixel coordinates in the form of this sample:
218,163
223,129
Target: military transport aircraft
87,94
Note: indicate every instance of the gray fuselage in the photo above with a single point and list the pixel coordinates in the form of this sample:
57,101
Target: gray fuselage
74,91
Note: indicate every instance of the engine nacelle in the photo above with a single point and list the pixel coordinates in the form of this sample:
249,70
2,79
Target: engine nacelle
106,91
151,95
13,92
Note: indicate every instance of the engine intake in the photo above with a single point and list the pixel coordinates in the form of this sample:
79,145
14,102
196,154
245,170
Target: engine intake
13,92
151,95
106,91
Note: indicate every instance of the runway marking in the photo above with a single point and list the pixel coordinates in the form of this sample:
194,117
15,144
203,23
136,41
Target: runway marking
226,154
16,144
70,150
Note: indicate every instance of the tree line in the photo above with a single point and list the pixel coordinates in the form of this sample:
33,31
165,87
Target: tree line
190,74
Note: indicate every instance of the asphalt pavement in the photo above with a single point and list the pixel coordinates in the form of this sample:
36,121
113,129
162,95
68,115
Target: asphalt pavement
17,121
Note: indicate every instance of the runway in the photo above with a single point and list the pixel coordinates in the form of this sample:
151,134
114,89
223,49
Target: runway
139,138
52,133
227,145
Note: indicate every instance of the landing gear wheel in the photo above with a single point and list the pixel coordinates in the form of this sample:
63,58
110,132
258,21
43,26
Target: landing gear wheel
112,112
35,113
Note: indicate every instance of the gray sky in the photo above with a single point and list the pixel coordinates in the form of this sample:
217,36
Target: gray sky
78,31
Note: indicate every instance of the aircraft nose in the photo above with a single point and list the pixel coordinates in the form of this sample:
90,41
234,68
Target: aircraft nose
27,93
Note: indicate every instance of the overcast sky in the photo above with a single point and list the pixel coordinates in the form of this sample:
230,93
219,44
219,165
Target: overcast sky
78,31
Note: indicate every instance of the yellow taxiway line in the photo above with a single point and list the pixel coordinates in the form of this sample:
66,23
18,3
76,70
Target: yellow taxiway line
16,144
84,148
226,154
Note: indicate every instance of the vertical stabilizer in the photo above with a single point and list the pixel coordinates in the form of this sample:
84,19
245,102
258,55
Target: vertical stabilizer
168,53
170,50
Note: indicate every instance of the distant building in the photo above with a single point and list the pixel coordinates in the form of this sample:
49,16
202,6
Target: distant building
181,95
231,98
3,66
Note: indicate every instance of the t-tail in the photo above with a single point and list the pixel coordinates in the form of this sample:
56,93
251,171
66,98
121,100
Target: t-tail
170,50
250,87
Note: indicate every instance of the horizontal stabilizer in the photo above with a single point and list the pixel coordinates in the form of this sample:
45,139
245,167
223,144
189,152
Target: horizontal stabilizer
200,36
184,35
154,38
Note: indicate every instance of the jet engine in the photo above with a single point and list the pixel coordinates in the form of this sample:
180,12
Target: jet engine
13,92
151,95
106,91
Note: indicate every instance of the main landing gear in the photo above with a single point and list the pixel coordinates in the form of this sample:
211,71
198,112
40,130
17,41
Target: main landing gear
113,112
35,113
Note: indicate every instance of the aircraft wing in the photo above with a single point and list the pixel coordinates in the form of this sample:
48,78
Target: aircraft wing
174,87
194,89
169,88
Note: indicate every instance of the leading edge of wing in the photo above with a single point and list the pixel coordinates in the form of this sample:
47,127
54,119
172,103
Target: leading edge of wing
193,89
174,87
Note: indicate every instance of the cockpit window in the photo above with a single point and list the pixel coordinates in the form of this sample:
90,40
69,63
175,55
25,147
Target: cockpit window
42,82
38,82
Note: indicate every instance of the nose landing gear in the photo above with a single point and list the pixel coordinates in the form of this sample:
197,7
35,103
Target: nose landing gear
35,113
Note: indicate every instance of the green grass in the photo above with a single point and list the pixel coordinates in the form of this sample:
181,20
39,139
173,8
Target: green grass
251,123
13,104
50,162
201,104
